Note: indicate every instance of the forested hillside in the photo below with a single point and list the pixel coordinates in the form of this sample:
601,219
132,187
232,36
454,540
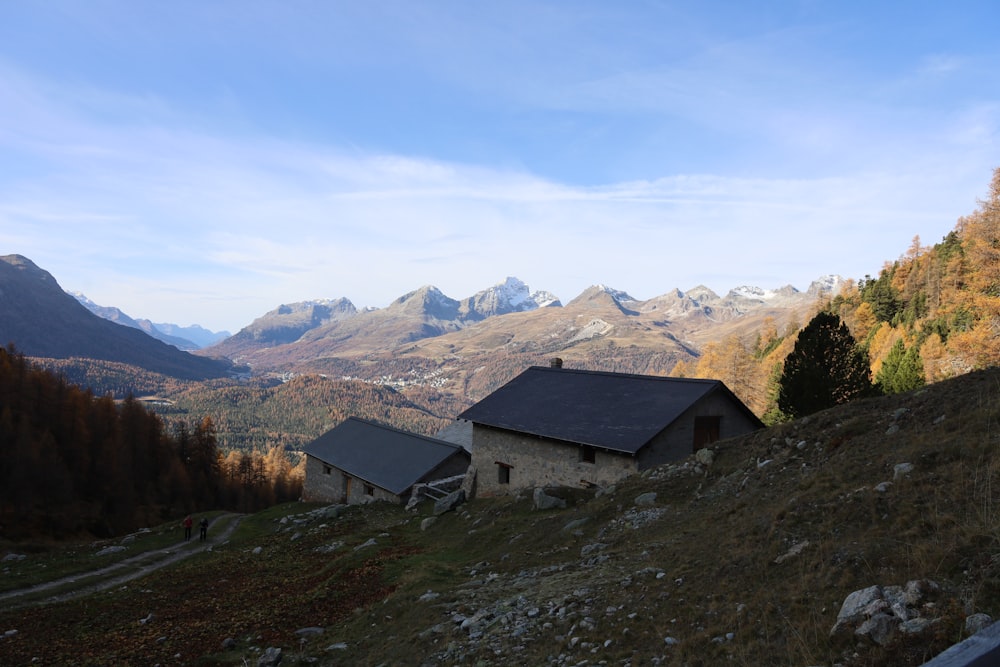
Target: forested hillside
933,313
73,464
258,415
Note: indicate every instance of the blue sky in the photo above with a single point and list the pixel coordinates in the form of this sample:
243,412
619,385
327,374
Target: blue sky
204,162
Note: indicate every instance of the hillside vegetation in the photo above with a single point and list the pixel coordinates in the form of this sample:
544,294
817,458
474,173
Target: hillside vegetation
73,464
940,304
746,560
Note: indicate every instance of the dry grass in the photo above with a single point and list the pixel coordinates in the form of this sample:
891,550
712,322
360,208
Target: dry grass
710,568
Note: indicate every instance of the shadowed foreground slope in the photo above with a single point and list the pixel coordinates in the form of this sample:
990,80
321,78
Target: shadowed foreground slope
746,560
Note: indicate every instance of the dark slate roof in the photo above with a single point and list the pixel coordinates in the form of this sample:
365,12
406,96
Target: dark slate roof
458,432
391,459
614,411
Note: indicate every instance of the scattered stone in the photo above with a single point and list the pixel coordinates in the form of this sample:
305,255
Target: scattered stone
939,420
370,543
882,487
329,548
574,524
228,644
296,536
977,622
543,501
310,632
428,596
449,502
670,641
270,658
795,550
339,646
428,522
880,629
144,621
12,557
705,456
256,550
901,470
647,498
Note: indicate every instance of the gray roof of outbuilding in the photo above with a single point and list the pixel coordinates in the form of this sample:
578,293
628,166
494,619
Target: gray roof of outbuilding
615,411
389,458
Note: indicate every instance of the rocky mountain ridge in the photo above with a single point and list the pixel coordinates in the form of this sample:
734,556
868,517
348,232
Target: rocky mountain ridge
42,320
189,338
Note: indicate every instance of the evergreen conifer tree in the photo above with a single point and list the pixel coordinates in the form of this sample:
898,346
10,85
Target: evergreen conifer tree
825,368
901,371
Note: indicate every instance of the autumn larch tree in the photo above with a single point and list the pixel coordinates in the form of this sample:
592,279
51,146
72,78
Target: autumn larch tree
825,368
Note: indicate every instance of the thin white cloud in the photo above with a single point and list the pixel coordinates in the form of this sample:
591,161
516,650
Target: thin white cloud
140,202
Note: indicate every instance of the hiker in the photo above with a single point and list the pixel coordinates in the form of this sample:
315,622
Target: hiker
187,527
204,529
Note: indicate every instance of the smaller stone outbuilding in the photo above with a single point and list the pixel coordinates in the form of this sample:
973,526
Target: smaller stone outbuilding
360,461
568,427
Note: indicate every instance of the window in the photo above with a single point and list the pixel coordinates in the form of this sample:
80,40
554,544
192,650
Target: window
327,470
503,473
706,431
369,490
588,454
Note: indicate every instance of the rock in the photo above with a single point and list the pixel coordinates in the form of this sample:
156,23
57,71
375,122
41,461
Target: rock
339,646
228,644
977,622
916,626
256,550
543,501
574,524
795,550
144,621
12,557
428,596
670,641
428,522
647,498
704,456
370,543
852,611
901,470
449,502
605,491
879,629
270,658
309,632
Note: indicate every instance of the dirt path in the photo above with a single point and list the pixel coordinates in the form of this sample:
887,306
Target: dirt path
86,583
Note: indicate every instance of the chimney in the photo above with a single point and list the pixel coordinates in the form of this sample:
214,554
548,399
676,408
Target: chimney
555,362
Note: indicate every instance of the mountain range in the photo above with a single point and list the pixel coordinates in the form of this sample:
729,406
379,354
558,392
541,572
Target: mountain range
188,339
420,332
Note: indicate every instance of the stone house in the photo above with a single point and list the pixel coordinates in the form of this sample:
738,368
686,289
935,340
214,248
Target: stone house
359,461
552,426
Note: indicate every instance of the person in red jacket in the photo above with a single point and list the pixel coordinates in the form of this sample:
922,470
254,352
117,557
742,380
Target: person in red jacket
187,527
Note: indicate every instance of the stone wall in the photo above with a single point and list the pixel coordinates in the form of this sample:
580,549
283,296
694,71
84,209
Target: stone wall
325,483
537,462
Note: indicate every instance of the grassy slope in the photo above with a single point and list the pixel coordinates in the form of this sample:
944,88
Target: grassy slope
697,565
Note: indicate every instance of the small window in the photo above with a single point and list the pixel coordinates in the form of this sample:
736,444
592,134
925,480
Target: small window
327,470
503,473
588,454
369,490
